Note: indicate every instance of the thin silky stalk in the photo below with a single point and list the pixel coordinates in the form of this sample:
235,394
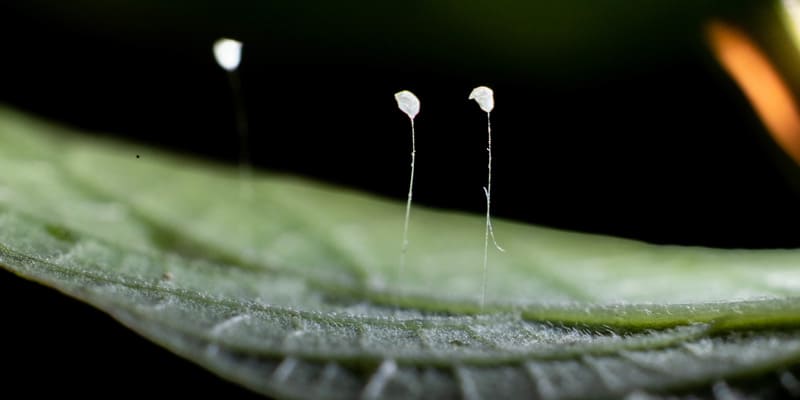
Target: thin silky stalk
404,249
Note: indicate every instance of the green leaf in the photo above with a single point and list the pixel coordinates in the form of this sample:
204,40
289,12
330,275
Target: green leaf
295,291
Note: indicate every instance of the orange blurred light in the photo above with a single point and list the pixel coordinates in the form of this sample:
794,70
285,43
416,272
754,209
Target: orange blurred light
760,82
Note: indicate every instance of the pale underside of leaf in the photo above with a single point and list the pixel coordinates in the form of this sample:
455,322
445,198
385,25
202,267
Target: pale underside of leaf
296,287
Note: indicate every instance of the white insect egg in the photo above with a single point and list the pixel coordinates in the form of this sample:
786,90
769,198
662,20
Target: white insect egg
408,103
484,97
228,53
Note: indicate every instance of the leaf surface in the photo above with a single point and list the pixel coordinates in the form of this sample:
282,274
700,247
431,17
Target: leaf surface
295,291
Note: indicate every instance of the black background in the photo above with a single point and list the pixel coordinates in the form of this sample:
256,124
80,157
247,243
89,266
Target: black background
636,134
